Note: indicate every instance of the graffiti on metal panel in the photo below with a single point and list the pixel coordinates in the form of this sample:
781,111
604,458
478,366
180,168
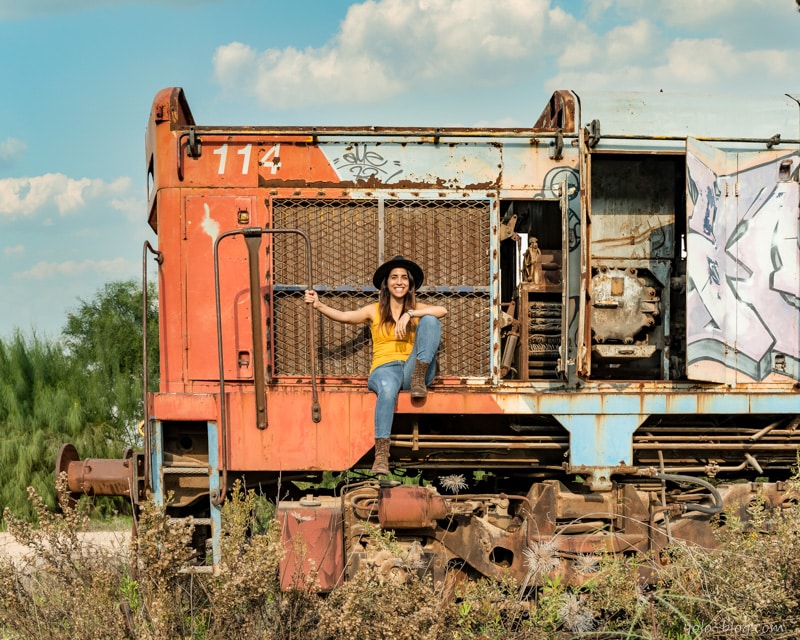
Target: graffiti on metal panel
364,163
742,264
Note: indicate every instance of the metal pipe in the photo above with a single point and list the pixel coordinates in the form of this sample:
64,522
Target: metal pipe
159,258
715,508
433,438
729,446
253,242
753,462
383,132
652,524
764,431
477,445
727,438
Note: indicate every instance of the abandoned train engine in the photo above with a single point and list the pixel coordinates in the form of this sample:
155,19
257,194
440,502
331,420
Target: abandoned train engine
619,362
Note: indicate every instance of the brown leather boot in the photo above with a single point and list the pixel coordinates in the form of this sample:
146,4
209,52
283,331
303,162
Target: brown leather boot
418,387
381,465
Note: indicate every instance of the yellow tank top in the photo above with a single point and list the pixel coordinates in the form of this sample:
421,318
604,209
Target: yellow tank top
385,347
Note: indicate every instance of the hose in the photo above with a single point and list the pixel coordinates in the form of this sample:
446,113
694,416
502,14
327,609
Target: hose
711,510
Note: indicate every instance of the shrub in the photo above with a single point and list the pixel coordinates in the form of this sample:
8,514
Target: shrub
746,588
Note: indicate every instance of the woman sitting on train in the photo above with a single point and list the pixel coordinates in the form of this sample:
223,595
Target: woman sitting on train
405,337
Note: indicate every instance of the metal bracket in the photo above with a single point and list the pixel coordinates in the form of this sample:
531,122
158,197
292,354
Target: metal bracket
558,146
594,133
194,146
774,140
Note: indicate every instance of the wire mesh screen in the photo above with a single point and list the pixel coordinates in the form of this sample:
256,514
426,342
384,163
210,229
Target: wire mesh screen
449,239
343,236
341,349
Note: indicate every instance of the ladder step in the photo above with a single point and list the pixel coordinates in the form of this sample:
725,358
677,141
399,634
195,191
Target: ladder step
201,569
186,471
192,520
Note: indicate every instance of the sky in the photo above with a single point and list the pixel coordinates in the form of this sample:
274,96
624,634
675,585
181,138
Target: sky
77,79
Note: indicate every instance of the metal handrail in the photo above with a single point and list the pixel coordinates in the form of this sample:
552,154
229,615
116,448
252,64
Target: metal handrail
258,372
159,258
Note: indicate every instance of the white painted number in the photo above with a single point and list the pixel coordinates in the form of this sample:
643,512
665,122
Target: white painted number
245,153
272,159
222,152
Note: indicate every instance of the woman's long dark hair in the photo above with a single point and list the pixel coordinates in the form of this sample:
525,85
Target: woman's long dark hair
384,309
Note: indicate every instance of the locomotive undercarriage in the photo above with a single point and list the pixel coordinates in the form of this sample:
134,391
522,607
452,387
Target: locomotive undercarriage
523,515
478,505
553,528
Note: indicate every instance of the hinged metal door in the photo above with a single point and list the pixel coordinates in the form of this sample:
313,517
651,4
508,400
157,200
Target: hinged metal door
743,264
565,280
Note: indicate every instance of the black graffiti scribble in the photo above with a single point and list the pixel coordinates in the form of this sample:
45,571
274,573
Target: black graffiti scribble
364,164
710,217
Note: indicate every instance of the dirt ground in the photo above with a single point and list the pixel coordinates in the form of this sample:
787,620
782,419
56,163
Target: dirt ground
113,540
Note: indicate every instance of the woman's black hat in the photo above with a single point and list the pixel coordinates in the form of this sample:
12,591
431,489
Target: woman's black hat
382,272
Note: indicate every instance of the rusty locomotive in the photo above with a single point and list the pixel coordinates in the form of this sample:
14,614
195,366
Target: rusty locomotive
619,363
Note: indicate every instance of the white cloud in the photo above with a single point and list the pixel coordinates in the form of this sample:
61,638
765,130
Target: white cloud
709,65
134,209
10,150
629,42
116,268
704,62
16,250
390,47
21,197
707,13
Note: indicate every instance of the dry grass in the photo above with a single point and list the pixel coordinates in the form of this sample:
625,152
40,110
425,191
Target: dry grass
745,589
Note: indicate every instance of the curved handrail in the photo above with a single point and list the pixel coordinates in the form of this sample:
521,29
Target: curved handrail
258,373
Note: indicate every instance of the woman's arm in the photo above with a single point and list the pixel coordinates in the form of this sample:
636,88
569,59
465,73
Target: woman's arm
356,316
423,309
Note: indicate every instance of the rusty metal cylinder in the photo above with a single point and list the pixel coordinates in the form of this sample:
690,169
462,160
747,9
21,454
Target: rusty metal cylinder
408,507
95,476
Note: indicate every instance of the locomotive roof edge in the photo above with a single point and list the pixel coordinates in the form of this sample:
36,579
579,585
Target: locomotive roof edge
657,114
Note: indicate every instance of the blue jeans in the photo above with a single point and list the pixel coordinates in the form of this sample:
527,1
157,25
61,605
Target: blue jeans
387,380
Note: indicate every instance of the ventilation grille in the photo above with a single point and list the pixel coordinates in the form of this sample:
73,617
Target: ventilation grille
449,239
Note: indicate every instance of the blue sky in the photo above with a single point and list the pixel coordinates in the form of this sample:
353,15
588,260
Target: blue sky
78,79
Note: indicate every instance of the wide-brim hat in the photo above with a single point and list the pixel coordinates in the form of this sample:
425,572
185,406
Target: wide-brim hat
382,272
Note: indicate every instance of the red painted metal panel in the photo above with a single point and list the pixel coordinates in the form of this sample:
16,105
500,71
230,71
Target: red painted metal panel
185,406
312,535
207,216
293,162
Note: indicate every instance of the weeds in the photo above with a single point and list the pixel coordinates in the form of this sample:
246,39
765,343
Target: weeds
746,588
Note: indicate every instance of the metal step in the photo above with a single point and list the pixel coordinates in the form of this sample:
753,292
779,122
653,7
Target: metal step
192,520
186,471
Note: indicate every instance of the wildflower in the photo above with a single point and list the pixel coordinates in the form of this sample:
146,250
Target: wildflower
575,617
586,563
454,483
542,557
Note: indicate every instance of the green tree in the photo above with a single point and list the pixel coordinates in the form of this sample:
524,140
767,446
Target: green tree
85,389
104,336
43,403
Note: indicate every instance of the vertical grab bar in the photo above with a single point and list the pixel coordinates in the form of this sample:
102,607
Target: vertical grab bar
249,234
159,258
